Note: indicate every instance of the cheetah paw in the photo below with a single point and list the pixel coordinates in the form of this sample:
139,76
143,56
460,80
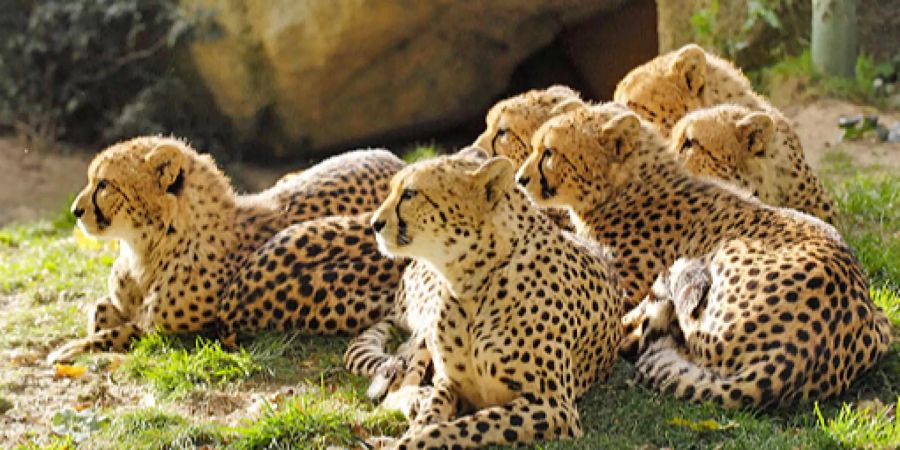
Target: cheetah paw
67,352
406,400
381,442
384,377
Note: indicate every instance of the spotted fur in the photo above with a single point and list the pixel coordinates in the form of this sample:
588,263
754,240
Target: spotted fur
194,254
775,311
509,126
532,317
667,88
754,151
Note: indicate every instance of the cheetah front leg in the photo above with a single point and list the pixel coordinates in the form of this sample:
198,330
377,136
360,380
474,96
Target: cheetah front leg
115,339
522,421
417,361
108,327
434,405
406,392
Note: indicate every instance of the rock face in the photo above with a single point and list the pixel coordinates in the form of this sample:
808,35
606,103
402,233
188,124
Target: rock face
321,74
606,47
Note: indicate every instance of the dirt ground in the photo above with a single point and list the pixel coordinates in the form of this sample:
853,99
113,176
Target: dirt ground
40,184
816,123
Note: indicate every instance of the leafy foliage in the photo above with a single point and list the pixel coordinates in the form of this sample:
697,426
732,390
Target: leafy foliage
715,27
860,88
69,69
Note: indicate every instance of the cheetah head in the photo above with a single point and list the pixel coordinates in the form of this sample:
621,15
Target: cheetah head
439,209
579,159
717,141
666,88
511,122
135,188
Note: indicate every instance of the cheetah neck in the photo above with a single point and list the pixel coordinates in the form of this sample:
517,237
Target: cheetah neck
201,232
505,233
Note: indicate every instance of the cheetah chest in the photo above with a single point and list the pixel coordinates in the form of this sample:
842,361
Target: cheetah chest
471,356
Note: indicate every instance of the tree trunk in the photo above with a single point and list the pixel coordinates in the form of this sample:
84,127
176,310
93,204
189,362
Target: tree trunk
834,43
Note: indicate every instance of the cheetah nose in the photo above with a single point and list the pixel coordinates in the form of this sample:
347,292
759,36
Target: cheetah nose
78,212
378,225
523,181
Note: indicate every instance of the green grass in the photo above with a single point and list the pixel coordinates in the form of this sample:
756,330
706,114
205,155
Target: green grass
867,427
176,369
889,300
316,421
176,366
156,429
870,205
45,443
47,274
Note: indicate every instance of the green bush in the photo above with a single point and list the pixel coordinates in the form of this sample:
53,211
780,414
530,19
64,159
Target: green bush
93,71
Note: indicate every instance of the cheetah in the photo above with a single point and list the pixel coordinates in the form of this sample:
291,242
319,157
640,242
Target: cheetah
667,88
777,310
745,147
532,319
196,257
509,126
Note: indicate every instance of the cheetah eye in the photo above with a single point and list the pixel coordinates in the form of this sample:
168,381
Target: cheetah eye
548,152
407,194
687,144
101,184
501,132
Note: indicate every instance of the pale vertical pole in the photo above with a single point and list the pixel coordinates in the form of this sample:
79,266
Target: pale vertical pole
834,44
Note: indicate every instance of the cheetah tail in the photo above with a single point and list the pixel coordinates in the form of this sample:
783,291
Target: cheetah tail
368,351
664,367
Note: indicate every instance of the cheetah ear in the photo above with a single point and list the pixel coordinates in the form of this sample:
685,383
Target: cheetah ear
473,152
494,176
570,104
689,68
755,131
621,133
167,161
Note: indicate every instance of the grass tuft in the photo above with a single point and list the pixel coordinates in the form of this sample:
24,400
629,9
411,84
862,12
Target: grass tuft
175,369
155,429
863,428
420,153
315,421
870,205
889,301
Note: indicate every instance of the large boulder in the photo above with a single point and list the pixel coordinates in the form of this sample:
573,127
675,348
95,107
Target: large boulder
324,74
